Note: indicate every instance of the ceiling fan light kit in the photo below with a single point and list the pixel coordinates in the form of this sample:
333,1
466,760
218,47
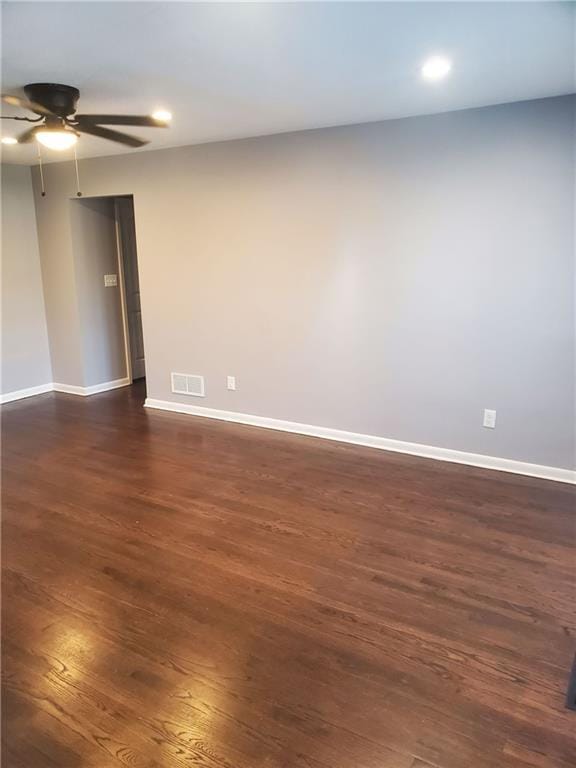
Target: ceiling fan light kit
56,137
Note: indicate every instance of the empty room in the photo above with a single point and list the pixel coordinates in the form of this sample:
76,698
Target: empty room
288,387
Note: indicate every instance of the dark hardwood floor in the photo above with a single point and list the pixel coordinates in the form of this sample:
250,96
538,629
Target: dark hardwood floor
181,592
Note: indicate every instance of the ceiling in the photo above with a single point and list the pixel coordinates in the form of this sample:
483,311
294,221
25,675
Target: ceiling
230,70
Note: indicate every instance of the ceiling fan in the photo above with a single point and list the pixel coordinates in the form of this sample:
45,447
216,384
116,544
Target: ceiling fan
58,125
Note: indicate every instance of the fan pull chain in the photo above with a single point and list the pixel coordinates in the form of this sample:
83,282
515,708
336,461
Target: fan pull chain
41,170
78,193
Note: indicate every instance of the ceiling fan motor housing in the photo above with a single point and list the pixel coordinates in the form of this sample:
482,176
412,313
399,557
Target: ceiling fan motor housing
59,99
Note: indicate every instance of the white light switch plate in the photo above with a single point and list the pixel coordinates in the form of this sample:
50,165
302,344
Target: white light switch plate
110,281
489,419
231,382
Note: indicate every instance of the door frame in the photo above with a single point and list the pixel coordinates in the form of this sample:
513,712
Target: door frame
123,301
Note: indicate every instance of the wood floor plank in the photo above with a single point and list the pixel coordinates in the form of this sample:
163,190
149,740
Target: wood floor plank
181,592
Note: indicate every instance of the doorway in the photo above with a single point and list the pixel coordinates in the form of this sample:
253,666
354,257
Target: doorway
130,287
108,288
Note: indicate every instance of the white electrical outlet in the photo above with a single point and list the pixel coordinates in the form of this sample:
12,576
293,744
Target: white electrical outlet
110,281
231,382
489,419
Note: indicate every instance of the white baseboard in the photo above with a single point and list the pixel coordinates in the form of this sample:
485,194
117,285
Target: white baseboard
20,394
69,389
107,385
72,389
354,438
371,441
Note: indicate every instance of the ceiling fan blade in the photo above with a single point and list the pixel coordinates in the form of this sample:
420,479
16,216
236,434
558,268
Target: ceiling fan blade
33,106
106,133
28,136
145,121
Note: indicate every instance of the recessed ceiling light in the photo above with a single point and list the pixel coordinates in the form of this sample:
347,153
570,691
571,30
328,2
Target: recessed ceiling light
9,140
436,67
162,115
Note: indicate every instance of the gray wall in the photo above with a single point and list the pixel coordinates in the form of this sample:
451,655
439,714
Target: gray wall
391,279
25,351
93,232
